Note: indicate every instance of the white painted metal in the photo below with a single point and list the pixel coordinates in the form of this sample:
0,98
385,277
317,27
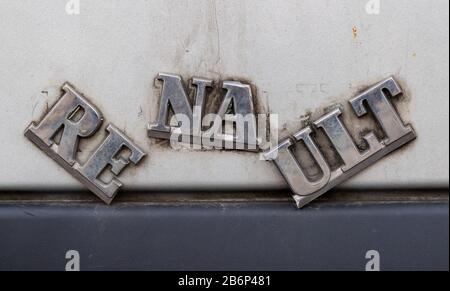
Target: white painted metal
301,55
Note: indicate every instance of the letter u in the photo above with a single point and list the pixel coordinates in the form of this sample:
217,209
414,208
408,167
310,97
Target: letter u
291,170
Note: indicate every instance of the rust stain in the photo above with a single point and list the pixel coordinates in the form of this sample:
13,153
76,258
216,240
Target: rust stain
354,32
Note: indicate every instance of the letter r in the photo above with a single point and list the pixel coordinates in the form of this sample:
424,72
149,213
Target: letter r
60,118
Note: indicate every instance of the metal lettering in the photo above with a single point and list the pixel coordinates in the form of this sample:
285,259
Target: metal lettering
291,170
59,118
343,142
397,134
104,155
382,109
238,97
173,95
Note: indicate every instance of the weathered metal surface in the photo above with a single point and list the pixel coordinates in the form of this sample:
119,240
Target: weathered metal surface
299,65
